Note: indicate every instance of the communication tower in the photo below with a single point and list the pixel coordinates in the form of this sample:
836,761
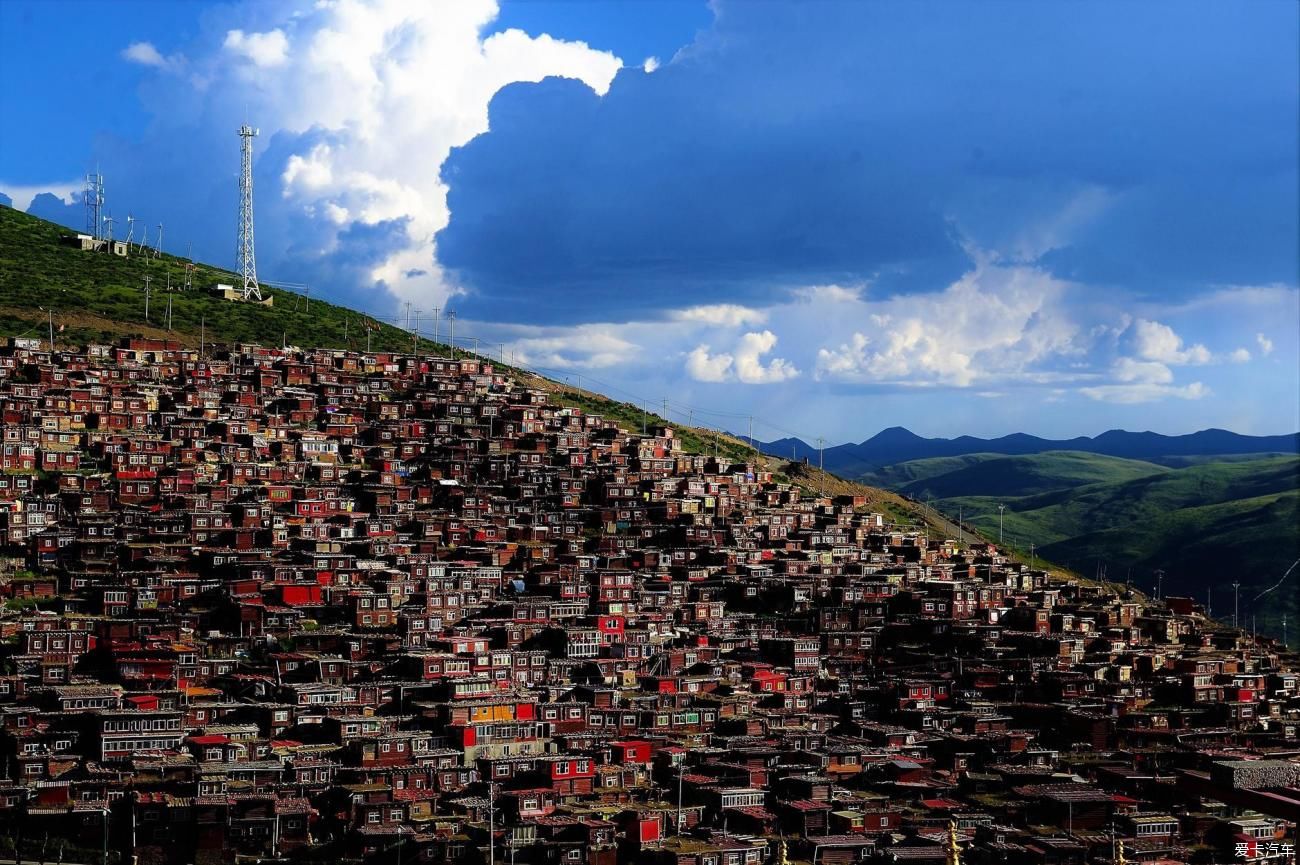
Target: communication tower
93,198
247,260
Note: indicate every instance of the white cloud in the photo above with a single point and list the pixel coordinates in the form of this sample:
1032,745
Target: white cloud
147,54
702,366
994,323
587,346
749,365
1142,381
1155,341
829,294
724,314
1140,392
307,174
650,64
1265,344
337,215
744,363
21,194
264,50
1240,355
1127,369
369,97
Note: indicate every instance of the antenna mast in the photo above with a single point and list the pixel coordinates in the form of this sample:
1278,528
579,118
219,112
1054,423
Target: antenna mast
247,261
93,198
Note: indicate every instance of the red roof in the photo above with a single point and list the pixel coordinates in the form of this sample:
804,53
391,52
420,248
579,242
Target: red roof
941,804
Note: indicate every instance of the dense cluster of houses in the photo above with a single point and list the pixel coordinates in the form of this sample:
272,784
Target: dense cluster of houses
271,604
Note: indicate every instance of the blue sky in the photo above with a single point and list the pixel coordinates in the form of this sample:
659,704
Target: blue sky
836,217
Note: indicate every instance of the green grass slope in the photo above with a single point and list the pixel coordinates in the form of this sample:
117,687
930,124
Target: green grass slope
999,475
1074,510
1204,525
1205,548
98,297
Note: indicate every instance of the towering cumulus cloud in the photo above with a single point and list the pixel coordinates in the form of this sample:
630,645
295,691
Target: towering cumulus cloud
359,102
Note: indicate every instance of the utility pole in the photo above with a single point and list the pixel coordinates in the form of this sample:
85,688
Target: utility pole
203,335
820,463
435,323
51,334
1160,583
1001,508
960,538
751,434
643,417
1236,592
147,278
492,824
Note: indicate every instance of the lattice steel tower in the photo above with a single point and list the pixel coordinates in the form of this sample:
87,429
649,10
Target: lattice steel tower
247,260
93,198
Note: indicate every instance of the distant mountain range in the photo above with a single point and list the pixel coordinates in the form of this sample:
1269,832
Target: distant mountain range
896,445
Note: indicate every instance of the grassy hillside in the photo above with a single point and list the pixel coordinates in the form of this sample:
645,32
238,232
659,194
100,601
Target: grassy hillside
999,475
1072,509
100,297
1252,540
1204,525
